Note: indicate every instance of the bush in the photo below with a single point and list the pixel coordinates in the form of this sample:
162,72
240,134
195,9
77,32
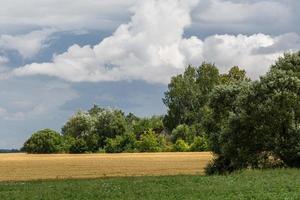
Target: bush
149,142
182,132
141,125
67,142
79,146
44,141
121,143
200,144
181,146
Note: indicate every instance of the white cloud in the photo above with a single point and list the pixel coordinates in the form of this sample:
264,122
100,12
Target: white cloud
19,15
3,62
28,45
152,47
226,11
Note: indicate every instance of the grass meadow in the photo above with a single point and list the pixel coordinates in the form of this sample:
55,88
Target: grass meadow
260,185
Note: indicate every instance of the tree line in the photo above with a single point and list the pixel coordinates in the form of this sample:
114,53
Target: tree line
245,123
111,131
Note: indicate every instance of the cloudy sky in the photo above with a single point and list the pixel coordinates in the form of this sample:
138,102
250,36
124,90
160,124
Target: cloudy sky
59,56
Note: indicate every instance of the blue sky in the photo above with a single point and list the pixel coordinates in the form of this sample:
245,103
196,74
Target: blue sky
59,56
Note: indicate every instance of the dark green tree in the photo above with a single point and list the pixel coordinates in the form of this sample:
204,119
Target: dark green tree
79,146
44,141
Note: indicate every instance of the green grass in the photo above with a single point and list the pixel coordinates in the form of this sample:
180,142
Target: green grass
269,184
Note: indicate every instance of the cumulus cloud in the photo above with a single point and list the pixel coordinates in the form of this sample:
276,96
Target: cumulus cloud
28,45
152,47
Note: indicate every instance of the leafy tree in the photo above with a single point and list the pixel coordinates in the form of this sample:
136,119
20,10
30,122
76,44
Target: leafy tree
182,132
181,98
223,102
149,142
259,120
95,110
79,146
200,144
289,62
188,93
155,123
67,142
181,146
92,141
207,78
44,141
131,118
121,143
279,103
234,75
79,125
109,124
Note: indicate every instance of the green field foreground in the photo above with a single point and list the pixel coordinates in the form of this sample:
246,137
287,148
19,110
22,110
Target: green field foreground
268,184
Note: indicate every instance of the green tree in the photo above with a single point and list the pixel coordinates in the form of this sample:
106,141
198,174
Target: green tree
183,132
155,123
258,121
234,75
109,124
289,62
200,143
181,98
121,143
44,141
188,93
79,146
149,142
79,125
180,146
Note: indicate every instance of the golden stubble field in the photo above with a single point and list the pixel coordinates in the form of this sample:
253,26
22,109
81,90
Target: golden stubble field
20,167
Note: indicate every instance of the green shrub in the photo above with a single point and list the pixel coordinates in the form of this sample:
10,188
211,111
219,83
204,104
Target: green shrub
149,142
121,143
79,146
183,132
44,141
181,146
67,142
200,144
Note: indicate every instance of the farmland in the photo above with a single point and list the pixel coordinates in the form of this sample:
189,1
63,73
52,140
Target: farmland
21,167
269,184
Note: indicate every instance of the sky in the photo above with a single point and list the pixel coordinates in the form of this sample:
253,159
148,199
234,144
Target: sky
61,56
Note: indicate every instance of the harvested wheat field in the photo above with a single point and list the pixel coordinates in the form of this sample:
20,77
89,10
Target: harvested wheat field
20,166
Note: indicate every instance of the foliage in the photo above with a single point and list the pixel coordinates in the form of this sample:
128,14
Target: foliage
44,141
143,124
80,124
257,119
108,124
182,132
121,143
234,75
181,146
188,93
79,146
149,142
200,143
